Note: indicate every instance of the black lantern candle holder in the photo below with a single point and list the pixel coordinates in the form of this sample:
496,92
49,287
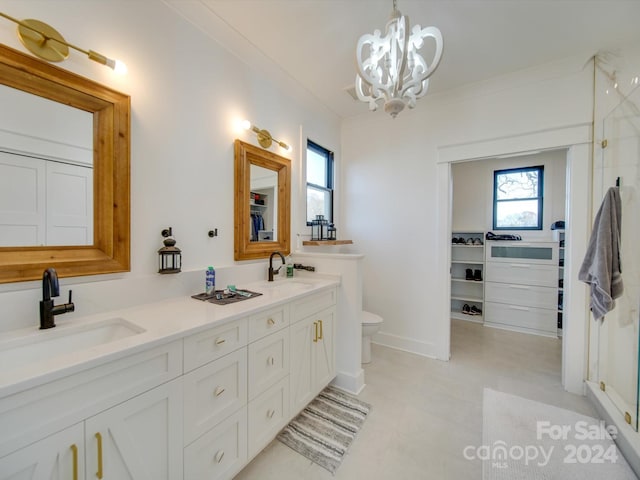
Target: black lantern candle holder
319,228
169,256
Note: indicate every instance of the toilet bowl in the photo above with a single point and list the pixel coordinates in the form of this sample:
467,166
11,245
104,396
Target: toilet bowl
371,323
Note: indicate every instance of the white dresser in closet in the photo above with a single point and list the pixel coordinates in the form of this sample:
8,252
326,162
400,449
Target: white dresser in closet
521,286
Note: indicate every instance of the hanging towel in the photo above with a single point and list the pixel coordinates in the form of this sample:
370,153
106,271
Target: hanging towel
601,267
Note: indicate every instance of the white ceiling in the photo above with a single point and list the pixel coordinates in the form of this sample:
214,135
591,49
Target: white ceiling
312,42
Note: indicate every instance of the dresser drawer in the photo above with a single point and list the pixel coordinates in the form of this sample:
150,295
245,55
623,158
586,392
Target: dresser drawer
268,361
524,295
313,303
522,273
214,343
212,392
264,323
220,453
525,252
527,319
267,415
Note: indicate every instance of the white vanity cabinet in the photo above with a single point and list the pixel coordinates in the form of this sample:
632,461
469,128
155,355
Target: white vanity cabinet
312,347
139,438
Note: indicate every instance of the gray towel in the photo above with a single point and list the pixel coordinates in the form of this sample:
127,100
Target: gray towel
601,267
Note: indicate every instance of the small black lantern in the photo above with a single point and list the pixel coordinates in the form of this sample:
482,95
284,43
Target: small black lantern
331,232
169,256
315,228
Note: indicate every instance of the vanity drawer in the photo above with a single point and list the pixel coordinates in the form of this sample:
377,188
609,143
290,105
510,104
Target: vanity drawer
522,273
220,453
525,295
267,415
312,304
206,346
212,392
527,319
268,361
264,323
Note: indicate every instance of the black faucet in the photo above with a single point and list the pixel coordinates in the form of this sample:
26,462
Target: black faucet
271,270
51,288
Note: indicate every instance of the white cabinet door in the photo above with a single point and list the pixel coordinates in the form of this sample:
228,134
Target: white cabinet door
312,357
57,457
302,335
324,355
140,439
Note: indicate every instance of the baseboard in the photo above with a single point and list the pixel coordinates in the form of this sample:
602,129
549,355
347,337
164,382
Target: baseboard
349,382
628,440
405,344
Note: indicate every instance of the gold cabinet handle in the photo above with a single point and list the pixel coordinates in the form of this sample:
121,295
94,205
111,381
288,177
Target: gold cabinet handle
74,452
271,322
315,338
320,322
220,341
219,456
270,412
219,391
99,438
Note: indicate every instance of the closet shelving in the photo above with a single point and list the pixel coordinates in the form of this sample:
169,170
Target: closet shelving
559,236
465,257
259,205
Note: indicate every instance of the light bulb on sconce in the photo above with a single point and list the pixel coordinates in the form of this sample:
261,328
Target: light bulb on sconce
264,137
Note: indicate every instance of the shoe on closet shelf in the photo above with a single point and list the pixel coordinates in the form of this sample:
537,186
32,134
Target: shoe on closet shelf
475,310
469,274
477,275
477,241
466,309
469,241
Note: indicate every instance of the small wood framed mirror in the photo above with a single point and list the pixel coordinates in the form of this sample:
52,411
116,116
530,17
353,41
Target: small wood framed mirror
262,202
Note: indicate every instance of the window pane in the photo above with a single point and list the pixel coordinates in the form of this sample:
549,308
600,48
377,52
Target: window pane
318,203
518,213
316,168
520,184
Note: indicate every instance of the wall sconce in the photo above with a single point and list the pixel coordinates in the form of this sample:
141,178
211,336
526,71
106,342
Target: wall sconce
169,256
264,137
47,43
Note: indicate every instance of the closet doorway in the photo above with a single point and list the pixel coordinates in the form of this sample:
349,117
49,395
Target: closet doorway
573,143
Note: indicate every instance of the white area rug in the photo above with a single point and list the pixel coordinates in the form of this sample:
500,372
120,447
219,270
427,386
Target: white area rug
528,440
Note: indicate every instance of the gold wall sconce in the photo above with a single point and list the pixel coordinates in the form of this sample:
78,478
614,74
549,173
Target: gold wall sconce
264,137
47,43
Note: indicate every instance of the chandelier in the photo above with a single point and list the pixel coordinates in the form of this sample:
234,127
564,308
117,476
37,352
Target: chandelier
390,69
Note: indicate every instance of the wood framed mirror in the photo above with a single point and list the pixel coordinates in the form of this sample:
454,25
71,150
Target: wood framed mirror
110,113
262,202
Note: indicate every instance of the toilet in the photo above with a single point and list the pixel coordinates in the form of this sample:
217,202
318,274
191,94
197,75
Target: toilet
371,323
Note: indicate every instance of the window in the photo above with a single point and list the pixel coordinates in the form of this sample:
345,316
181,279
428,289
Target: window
319,182
517,198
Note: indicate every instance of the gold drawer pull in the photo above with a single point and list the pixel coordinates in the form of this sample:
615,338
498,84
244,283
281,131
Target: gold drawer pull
99,438
271,322
219,391
270,361
271,412
220,341
320,322
219,456
74,451
315,338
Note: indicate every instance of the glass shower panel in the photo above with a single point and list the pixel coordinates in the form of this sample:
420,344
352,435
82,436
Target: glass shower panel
619,332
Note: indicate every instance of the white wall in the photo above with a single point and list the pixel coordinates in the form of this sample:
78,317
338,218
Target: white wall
473,192
187,92
391,203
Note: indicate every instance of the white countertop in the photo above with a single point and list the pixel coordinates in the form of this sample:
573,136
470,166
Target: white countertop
162,323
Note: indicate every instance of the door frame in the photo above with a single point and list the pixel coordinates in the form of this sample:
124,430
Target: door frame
577,140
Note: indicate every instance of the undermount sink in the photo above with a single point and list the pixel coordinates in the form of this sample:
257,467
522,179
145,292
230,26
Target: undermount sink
287,284
43,345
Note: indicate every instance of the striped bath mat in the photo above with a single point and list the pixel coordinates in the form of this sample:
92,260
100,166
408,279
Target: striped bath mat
325,429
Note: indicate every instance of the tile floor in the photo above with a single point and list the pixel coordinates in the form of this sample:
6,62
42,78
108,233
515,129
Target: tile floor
426,411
